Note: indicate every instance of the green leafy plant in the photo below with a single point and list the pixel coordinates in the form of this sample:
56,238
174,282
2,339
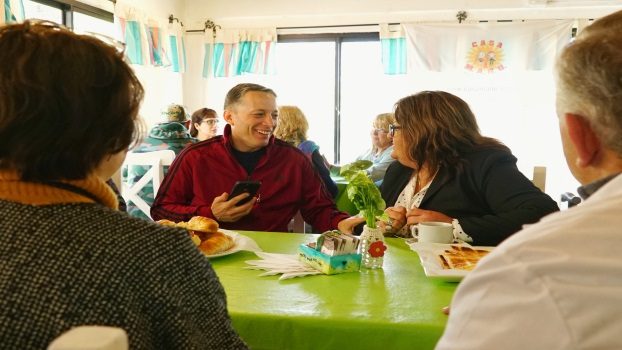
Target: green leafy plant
363,193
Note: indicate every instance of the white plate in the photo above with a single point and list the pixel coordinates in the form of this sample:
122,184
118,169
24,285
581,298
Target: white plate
240,242
428,254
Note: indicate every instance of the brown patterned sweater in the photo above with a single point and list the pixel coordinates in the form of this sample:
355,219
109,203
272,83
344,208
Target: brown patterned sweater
65,265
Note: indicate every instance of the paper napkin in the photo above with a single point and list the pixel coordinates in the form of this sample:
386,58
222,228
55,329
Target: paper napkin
286,264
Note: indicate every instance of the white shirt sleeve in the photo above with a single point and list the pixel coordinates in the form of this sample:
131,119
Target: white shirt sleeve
500,305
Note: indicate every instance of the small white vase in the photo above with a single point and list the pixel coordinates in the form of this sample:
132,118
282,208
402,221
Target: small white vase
372,247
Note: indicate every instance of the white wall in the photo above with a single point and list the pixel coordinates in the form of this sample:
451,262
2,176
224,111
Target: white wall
288,13
302,13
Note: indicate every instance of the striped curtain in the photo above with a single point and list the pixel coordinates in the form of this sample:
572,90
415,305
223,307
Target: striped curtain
239,51
177,44
393,44
11,11
133,30
150,41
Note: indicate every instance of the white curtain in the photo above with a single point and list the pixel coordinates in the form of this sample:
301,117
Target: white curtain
486,47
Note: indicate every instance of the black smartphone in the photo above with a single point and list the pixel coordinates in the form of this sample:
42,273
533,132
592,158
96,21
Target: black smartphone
250,187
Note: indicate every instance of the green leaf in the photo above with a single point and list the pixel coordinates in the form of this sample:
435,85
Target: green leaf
354,167
365,196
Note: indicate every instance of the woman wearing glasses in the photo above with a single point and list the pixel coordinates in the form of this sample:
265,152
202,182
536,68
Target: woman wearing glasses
204,124
381,147
447,171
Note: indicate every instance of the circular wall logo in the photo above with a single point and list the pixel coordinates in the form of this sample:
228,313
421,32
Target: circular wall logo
485,56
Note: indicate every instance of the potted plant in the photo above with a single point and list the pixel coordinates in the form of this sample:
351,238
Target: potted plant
367,199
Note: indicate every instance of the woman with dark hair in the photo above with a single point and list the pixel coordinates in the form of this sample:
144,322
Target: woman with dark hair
68,110
204,124
447,171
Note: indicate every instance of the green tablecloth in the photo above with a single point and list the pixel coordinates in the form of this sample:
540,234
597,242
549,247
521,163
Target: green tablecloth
397,307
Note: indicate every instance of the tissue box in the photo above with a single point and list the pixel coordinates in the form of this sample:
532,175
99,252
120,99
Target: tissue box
329,265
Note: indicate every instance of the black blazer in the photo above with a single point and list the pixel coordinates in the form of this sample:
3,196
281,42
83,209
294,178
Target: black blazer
490,197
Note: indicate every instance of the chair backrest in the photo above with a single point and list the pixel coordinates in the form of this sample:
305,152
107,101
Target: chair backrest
91,338
539,177
156,161
570,199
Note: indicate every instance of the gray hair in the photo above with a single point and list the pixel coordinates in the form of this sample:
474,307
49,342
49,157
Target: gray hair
589,82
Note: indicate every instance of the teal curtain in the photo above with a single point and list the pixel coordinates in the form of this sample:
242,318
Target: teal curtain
247,58
174,53
394,55
133,48
206,60
246,52
13,11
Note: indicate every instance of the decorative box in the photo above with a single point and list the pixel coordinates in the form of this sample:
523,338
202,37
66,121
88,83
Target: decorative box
329,265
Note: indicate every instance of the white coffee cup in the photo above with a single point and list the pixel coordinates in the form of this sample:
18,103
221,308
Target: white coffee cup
434,232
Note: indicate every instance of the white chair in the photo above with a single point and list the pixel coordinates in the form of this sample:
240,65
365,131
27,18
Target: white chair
539,177
156,161
91,338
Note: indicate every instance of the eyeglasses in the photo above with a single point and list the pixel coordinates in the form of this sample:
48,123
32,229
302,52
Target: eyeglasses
378,131
210,121
392,129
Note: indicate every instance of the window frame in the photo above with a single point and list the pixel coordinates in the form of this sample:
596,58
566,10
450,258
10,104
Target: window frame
338,39
68,7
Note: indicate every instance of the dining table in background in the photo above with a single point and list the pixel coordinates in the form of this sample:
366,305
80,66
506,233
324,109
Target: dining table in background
396,307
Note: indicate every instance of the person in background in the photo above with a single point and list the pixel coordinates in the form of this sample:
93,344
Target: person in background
447,171
292,128
200,178
381,147
204,124
380,152
558,284
168,135
69,258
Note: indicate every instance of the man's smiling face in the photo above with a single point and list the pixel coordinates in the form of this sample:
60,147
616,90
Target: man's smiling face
252,120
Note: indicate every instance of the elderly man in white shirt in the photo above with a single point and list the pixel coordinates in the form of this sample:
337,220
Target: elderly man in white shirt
557,284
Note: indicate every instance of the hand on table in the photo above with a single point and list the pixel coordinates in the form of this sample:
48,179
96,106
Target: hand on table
397,219
416,215
225,210
348,225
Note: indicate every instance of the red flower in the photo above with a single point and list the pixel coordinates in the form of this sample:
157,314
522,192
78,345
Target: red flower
377,249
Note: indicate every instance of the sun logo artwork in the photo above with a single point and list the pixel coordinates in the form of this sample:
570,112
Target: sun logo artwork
485,56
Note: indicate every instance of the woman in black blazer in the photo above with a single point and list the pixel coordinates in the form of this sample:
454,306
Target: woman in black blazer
447,171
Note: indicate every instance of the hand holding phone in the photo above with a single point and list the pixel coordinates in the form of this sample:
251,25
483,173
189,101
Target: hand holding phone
250,187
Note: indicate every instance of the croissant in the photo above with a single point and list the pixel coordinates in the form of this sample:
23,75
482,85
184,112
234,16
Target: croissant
215,243
204,233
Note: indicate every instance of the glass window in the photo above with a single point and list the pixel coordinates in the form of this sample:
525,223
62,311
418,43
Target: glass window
365,92
517,109
37,10
85,23
305,77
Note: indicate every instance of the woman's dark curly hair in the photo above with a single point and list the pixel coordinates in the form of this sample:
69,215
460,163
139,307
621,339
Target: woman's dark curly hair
67,101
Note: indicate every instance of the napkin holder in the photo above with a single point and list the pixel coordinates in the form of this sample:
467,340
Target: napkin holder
329,265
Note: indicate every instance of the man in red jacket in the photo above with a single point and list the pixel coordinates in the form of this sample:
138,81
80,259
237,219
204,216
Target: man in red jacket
199,178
